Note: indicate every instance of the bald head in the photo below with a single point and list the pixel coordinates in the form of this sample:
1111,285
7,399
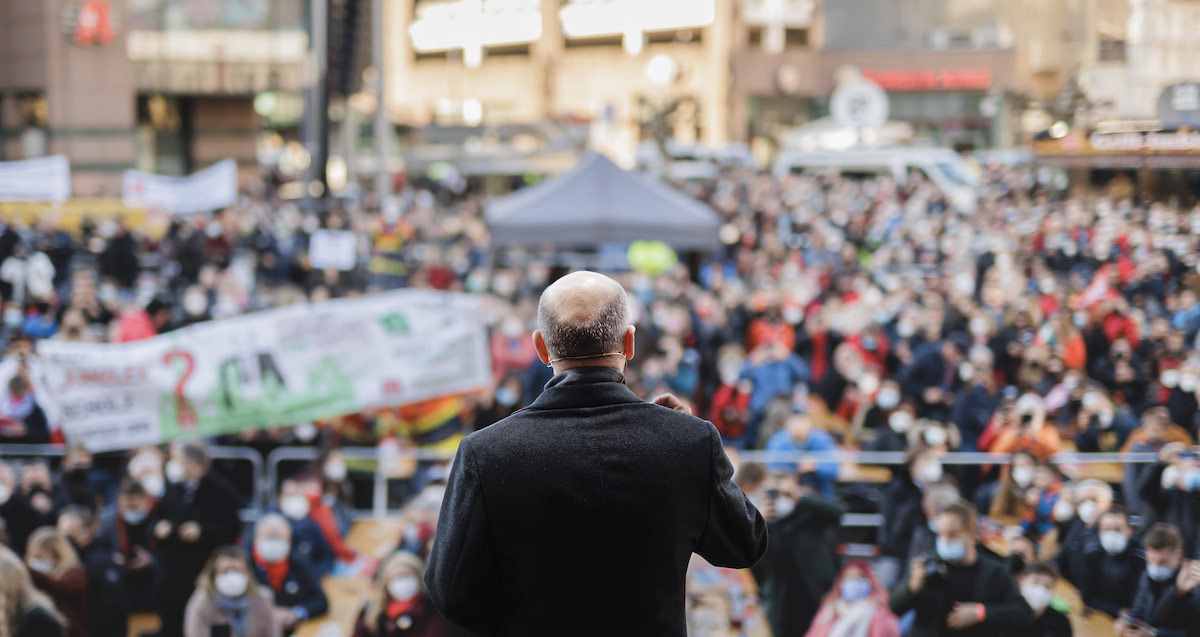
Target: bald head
583,314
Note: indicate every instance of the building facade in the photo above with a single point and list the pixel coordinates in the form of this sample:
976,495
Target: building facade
165,86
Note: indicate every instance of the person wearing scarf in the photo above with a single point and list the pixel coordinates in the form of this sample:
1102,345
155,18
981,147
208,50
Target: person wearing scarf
227,596
856,606
399,605
296,587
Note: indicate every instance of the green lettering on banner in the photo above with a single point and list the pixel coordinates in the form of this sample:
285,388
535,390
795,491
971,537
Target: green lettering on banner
395,323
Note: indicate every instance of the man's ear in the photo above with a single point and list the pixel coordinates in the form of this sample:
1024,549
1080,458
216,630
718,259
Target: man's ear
539,344
627,350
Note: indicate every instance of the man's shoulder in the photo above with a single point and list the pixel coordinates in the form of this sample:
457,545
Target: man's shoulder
530,424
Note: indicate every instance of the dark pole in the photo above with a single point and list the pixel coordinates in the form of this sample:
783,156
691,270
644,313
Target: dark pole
316,111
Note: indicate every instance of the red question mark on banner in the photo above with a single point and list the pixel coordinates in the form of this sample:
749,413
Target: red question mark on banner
187,414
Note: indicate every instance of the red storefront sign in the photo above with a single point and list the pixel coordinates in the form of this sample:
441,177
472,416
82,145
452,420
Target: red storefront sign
970,79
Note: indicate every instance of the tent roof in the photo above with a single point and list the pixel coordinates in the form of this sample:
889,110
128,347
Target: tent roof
597,202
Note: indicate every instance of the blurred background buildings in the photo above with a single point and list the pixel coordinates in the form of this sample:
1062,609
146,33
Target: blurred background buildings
171,86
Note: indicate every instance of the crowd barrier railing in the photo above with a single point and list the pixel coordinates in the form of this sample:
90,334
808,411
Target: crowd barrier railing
951,458
258,498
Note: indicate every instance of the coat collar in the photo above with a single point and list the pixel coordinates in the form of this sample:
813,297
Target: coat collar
585,387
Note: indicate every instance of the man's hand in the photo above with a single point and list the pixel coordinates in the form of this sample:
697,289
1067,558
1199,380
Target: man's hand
41,502
162,530
286,617
1170,452
671,402
1189,577
189,532
963,616
141,560
807,465
916,575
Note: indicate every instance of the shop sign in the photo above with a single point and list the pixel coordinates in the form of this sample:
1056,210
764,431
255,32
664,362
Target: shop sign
930,79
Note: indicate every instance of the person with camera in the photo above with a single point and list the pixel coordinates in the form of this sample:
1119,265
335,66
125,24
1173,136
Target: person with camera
1163,605
801,562
1171,492
954,591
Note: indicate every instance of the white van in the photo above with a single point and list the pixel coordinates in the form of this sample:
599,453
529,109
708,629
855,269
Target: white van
942,166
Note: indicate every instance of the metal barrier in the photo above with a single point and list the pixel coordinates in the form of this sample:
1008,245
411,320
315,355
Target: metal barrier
952,458
379,507
246,454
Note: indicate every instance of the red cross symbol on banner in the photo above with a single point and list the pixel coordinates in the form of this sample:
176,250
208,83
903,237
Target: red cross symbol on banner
94,25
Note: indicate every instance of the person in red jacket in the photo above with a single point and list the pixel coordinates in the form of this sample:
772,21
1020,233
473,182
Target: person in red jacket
55,568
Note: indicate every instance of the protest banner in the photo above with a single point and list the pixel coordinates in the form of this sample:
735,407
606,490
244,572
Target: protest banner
273,368
39,179
213,188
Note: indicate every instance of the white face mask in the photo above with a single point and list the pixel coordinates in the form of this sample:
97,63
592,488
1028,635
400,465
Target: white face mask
195,304
335,471
5,493
784,507
1063,511
1037,595
979,326
966,372
403,588
174,471
1170,478
1105,419
295,507
232,583
1170,378
41,566
271,550
930,472
900,421
888,399
153,484
935,436
1023,476
1187,383
1088,511
1114,542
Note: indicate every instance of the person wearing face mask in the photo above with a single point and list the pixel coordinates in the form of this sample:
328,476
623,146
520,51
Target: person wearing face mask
290,577
1156,431
856,606
75,481
1006,500
1159,606
799,436
1103,425
1024,429
902,513
924,538
1114,564
1048,506
957,592
22,420
55,568
228,601
19,516
512,349
1091,499
1170,491
197,514
126,531
337,490
1037,584
729,410
295,503
399,605
893,436
801,560
108,596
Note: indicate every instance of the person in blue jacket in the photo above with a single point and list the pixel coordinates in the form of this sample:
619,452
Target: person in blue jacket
800,436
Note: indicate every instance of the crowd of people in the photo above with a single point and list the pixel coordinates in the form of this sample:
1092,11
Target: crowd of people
839,314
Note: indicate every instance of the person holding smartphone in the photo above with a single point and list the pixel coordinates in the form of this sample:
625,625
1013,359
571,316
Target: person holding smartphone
228,602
